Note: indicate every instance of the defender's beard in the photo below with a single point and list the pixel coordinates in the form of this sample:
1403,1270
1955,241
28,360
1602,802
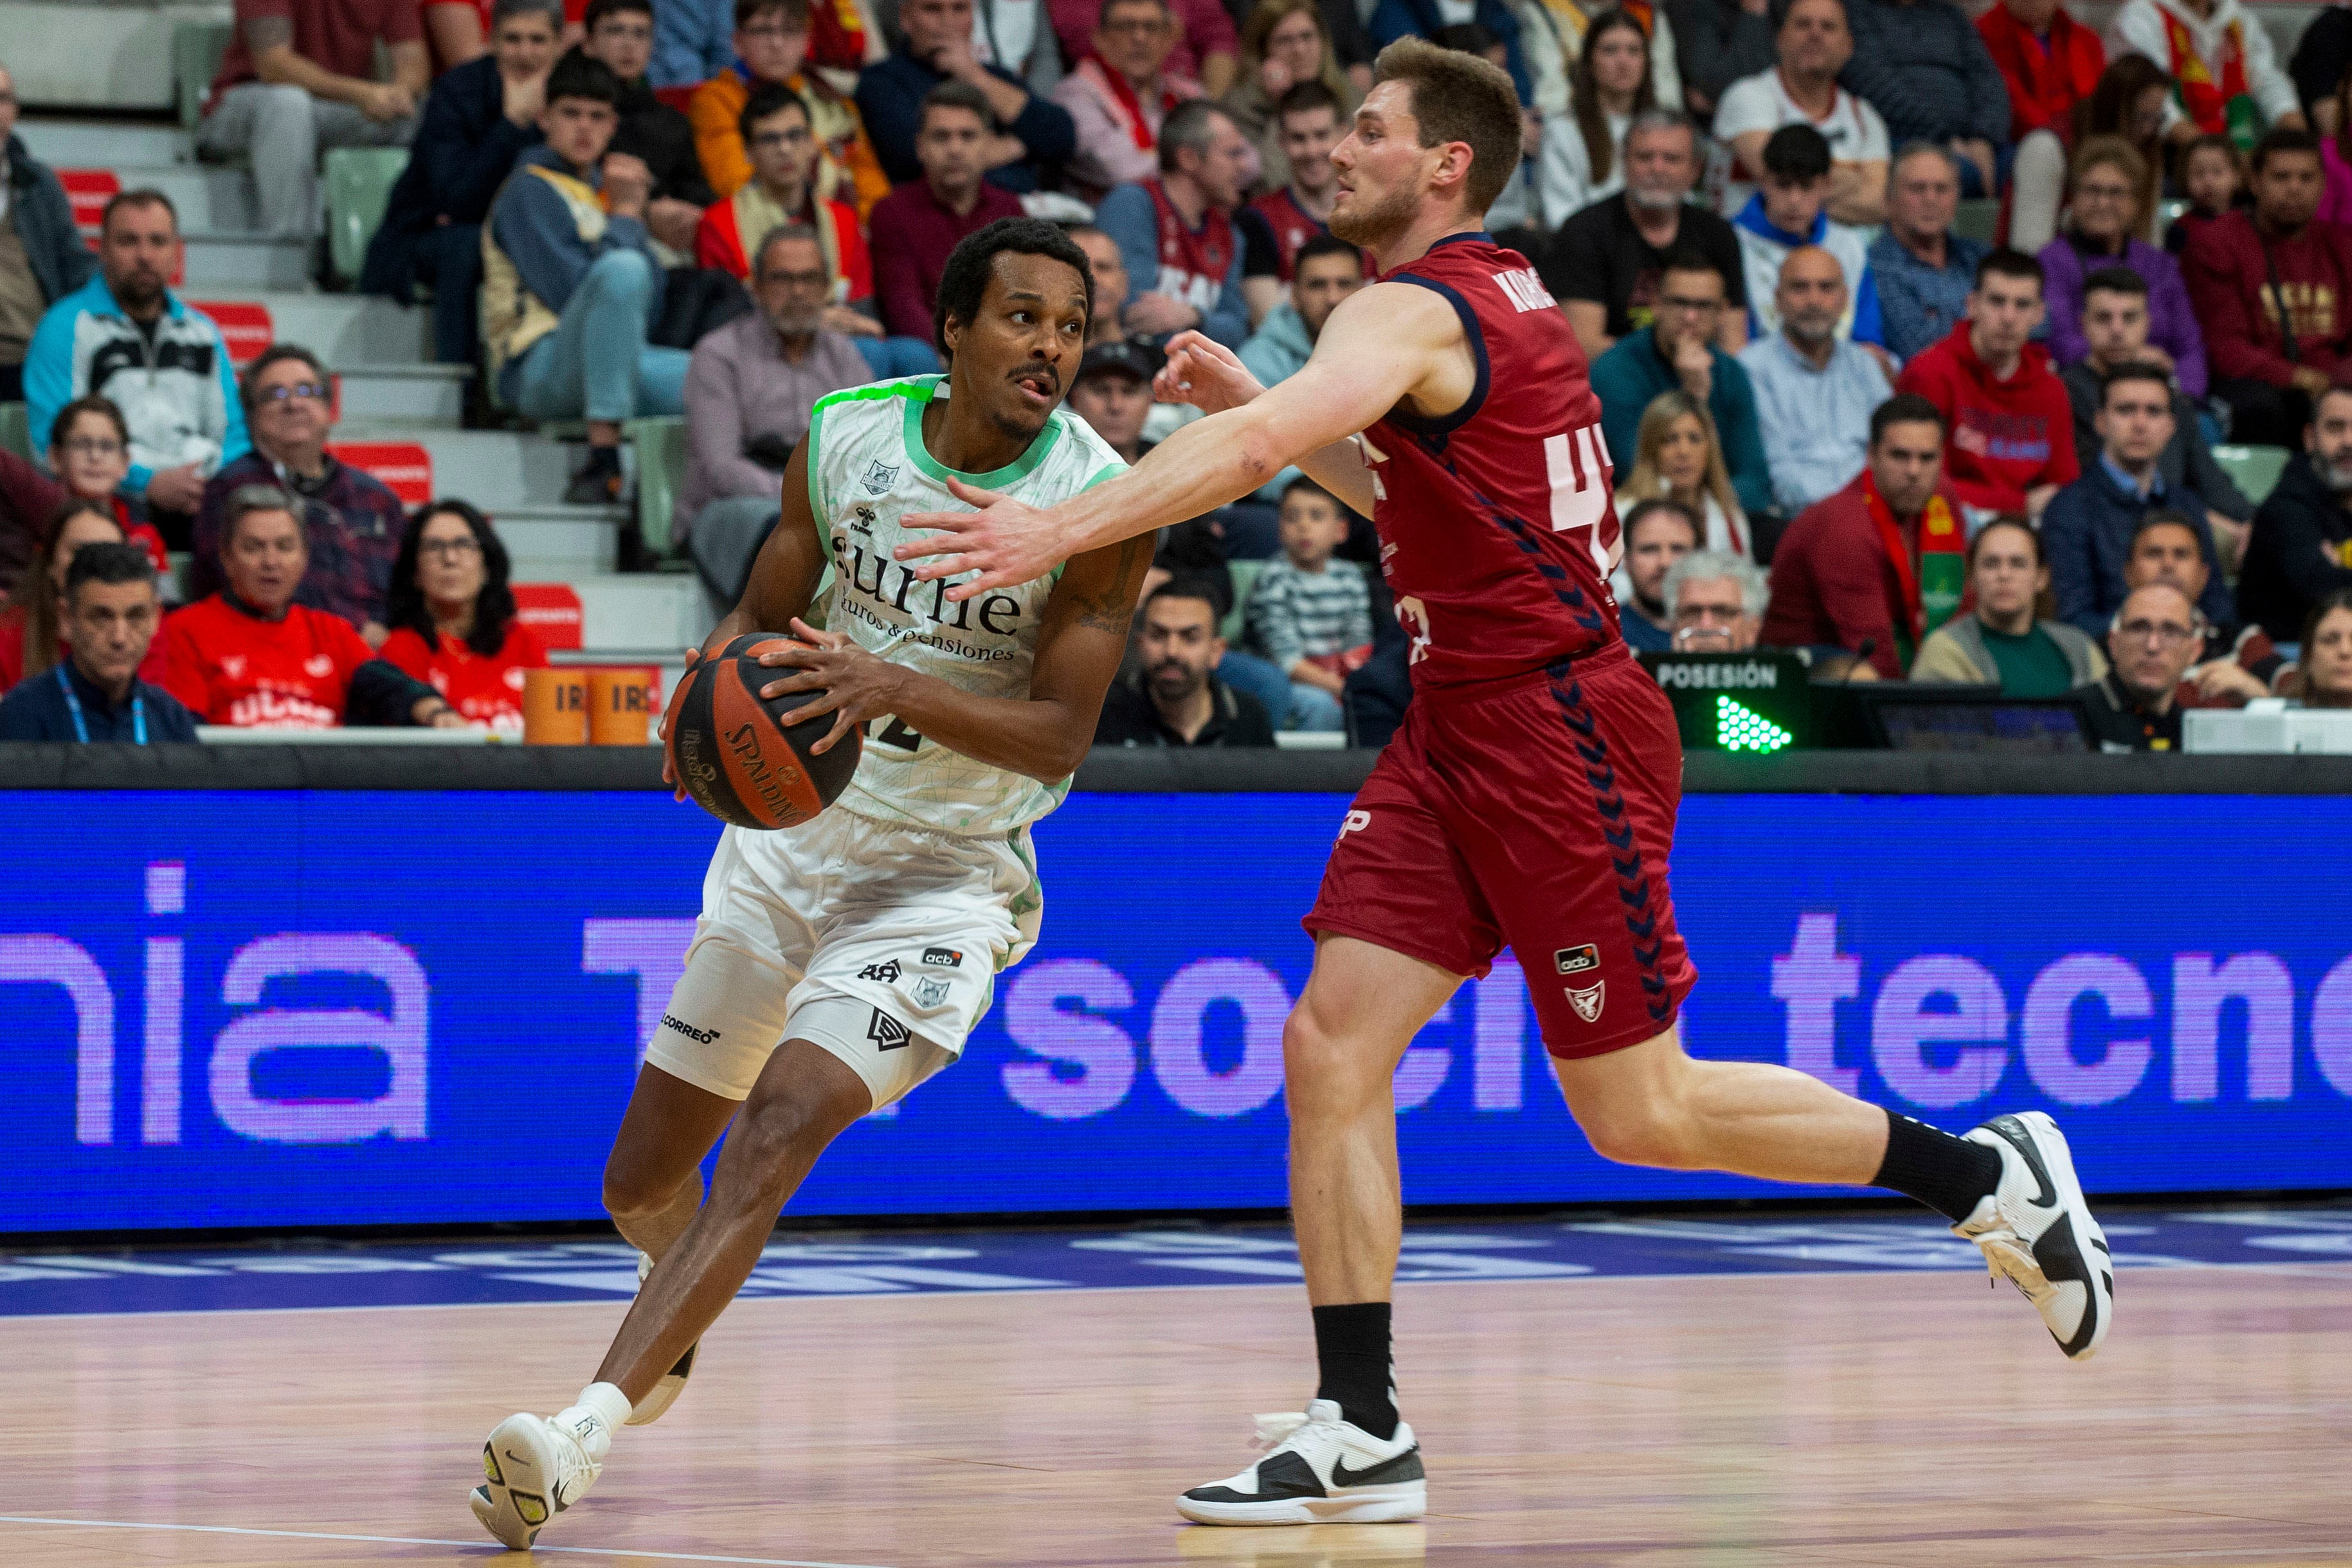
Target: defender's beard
1376,225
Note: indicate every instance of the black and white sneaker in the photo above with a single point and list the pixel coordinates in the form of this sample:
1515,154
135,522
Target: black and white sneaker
673,1383
1318,1469
2038,1233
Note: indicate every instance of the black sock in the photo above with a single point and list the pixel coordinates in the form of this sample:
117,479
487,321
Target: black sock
1351,1356
1949,1175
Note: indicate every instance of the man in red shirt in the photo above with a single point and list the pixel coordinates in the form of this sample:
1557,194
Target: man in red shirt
917,225
2010,424
2239,263
2049,61
781,140
250,656
298,76
1277,226
1878,565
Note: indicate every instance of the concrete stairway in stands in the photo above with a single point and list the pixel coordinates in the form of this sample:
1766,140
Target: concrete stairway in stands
391,389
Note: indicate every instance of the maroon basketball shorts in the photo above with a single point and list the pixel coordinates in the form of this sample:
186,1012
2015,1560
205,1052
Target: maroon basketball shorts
1536,813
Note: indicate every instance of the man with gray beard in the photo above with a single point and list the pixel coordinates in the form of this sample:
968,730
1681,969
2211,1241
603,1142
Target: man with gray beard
1606,263
1814,390
2300,551
748,391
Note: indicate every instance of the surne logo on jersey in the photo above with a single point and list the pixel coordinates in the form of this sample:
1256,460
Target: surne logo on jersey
1526,290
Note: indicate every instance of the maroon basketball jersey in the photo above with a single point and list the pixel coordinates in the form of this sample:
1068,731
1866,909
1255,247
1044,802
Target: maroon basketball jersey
1497,530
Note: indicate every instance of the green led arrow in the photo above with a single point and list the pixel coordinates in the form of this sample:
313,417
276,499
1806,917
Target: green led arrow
1738,728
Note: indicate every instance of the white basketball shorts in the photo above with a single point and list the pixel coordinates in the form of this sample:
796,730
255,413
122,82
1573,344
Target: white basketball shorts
878,942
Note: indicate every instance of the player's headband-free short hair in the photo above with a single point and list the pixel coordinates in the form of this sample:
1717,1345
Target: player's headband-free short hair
1460,98
964,282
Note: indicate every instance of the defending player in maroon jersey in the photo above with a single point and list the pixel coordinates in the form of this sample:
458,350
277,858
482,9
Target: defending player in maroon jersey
1528,801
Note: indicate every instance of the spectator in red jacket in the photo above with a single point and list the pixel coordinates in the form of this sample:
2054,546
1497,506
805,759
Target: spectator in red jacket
2051,62
28,622
250,656
2237,265
89,449
453,619
917,226
2011,424
1876,567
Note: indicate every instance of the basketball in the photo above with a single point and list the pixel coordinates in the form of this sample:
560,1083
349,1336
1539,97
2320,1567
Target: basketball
741,758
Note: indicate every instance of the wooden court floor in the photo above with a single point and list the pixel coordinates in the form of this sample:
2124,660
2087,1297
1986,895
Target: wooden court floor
1912,1420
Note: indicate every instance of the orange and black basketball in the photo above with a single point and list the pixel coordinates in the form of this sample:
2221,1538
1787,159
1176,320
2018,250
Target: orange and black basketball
741,758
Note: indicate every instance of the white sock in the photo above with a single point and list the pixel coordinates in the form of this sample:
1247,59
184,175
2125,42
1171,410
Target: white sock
609,1406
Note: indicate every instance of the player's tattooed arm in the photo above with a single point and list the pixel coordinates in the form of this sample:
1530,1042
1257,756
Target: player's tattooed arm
1112,609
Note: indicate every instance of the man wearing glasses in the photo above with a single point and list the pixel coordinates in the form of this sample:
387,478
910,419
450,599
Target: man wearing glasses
1119,94
1679,349
352,521
772,46
2154,639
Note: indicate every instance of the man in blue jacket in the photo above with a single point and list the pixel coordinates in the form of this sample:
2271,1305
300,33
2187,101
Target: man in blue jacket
94,694
1678,350
2089,526
570,287
1034,133
124,335
479,118
49,260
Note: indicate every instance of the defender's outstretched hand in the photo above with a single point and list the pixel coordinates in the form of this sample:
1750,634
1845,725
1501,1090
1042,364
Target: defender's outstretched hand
1007,541
1205,373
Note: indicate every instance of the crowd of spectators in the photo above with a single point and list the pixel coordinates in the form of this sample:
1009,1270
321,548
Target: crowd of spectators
1837,422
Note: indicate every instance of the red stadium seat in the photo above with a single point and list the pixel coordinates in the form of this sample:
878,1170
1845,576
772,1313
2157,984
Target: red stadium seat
88,190
551,610
404,467
245,327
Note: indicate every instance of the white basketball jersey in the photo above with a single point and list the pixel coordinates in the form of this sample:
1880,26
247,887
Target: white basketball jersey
867,468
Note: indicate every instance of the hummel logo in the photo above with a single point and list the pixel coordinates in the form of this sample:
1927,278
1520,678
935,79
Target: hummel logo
865,518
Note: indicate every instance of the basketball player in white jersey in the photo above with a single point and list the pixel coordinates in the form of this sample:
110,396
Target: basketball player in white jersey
839,964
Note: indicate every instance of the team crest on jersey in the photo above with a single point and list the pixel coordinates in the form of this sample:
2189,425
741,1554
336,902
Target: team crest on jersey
1587,999
886,1032
880,476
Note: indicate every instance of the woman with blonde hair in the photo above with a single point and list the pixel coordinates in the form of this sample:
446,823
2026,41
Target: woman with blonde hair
2103,228
1286,42
1678,455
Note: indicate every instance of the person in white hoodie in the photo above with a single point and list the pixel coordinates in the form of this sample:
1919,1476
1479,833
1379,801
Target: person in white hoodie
1583,157
2231,81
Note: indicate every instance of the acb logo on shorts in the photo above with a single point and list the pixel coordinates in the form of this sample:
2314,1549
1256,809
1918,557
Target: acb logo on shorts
1576,960
942,957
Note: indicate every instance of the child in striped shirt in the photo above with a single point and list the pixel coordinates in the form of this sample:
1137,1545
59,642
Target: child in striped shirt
1309,614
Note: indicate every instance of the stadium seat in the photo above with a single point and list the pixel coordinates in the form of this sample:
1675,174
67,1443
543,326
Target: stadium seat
196,51
88,190
1977,220
246,326
660,445
404,468
2253,469
1245,578
16,429
359,182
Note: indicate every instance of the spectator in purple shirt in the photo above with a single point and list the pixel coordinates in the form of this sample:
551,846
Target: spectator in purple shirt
353,522
915,228
2104,231
749,389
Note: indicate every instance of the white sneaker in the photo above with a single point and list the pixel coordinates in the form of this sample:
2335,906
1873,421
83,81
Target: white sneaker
2037,1232
538,1467
673,1383
1319,1469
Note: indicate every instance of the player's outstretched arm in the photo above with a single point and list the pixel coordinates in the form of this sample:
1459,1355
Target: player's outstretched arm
1211,378
1382,345
1044,734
